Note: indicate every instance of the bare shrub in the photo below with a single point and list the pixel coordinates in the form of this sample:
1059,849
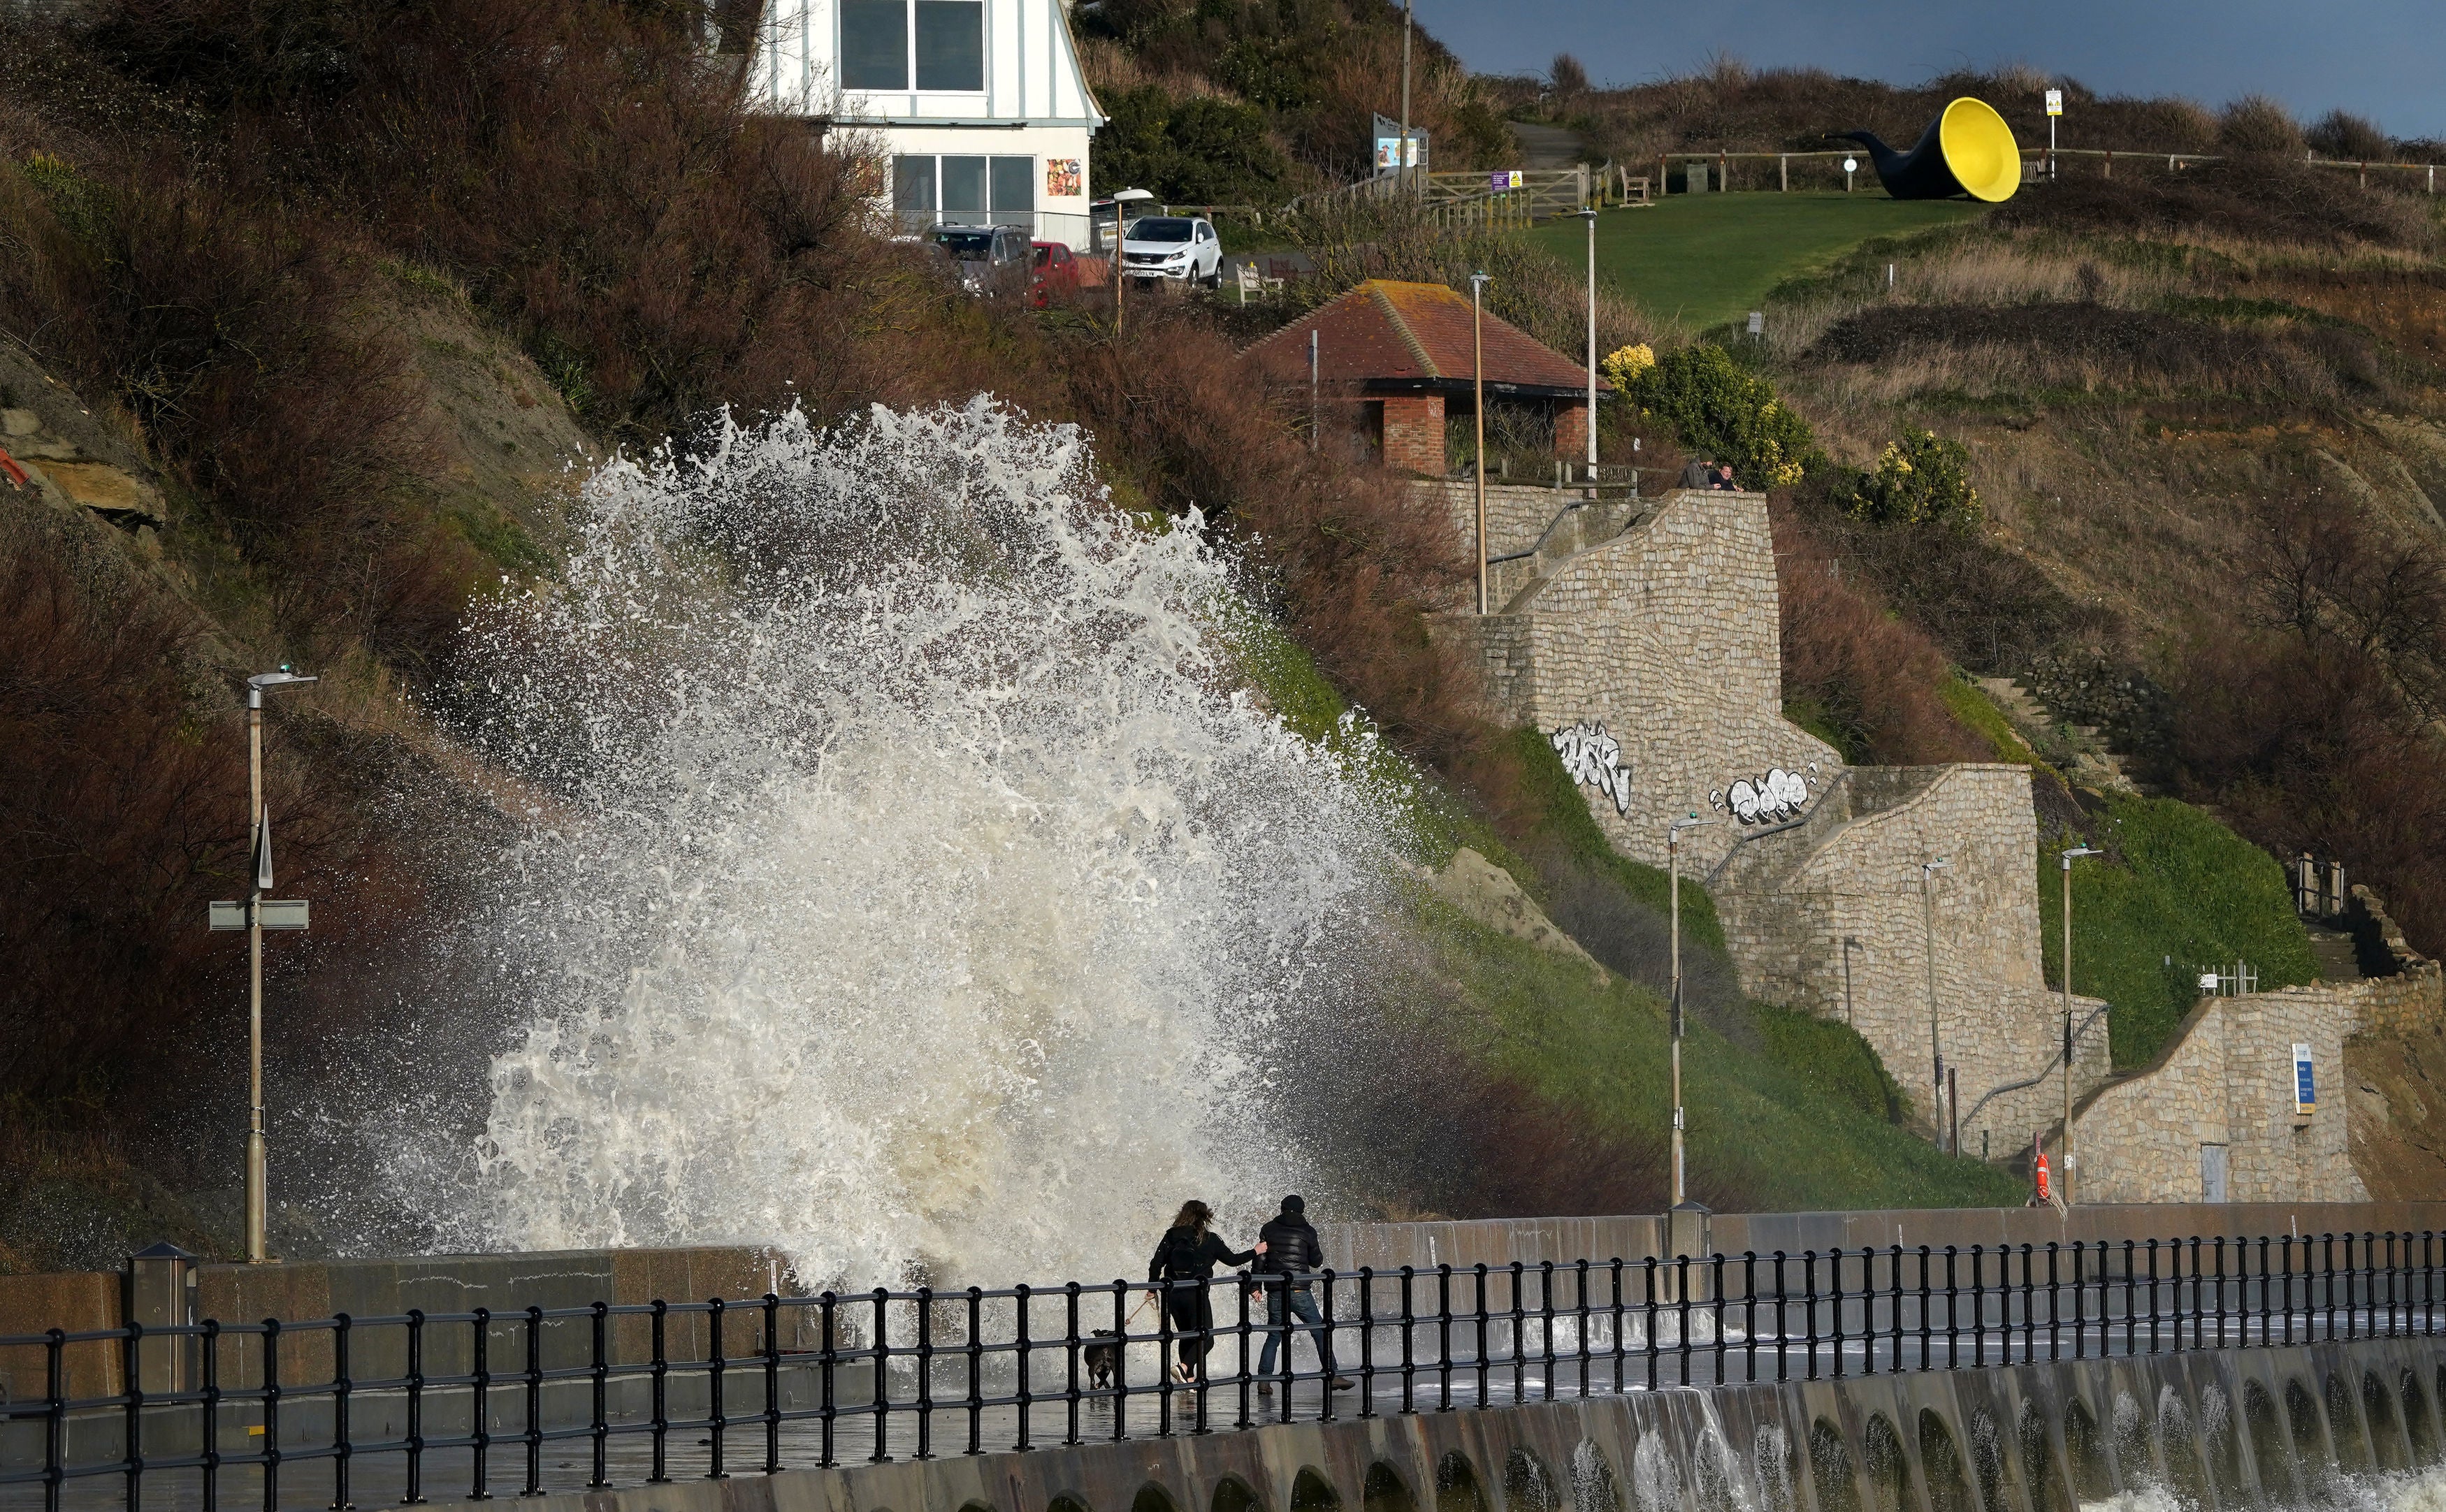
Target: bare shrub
2342,134
1872,677
2261,199
2092,346
2256,123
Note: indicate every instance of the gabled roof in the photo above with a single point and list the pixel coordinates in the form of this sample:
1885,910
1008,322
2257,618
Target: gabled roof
1386,334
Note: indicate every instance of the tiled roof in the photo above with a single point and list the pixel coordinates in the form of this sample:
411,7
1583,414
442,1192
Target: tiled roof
1387,330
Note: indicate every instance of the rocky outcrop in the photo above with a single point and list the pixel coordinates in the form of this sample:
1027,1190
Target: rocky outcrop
1485,893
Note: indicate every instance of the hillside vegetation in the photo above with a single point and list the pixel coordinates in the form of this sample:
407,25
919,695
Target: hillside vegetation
312,310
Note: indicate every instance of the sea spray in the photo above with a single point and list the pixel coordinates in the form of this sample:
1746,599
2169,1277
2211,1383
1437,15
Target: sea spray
907,882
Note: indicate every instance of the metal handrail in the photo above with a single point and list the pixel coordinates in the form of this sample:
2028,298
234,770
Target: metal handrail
815,1381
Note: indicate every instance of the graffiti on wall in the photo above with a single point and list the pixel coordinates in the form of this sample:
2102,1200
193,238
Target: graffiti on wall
1773,798
1594,760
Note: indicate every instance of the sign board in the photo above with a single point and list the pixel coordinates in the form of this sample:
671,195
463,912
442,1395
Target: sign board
2054,102
1393,153
2305,1088
2209,982
1757,322
278,914
1503,179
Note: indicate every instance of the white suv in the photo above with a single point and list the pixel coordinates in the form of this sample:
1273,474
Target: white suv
1183,247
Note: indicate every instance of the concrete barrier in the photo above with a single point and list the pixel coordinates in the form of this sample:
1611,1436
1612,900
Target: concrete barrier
2218,1429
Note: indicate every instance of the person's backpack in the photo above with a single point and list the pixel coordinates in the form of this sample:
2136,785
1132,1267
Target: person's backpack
1181,1260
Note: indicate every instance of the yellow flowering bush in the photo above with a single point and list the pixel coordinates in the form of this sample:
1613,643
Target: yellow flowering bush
1724,414
1922,479
1625,364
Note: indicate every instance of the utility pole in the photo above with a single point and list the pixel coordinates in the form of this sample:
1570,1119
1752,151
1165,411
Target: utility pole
1673,865
2068,857
1588,213
1478,282
1402,160
255,915
1928,871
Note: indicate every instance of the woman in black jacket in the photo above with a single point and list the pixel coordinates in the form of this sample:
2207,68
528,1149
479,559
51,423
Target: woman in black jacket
1183,1262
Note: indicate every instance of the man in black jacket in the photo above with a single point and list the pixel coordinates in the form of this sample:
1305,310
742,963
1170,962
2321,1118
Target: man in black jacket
1291,1258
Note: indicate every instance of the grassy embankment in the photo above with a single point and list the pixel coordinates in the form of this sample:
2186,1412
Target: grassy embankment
1705,259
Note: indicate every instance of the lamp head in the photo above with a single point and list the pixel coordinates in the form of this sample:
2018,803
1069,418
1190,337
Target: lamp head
2079,850
1133,195
282,679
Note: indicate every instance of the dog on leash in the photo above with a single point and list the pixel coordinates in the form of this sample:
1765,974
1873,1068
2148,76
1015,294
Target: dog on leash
1102,1359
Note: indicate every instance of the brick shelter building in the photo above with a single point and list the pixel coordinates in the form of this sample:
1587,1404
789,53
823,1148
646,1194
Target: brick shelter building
1400,356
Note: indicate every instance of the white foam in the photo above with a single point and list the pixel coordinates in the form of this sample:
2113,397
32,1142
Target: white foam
910,888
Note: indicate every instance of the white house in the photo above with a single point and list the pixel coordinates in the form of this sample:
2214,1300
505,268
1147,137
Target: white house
979,104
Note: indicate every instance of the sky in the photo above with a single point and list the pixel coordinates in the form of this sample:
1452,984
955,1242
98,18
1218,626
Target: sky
2383,59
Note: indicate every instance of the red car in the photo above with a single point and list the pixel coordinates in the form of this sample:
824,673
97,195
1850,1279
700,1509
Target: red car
1057,271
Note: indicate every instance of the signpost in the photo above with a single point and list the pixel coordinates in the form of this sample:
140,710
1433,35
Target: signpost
256,914
2055,108
2306,1087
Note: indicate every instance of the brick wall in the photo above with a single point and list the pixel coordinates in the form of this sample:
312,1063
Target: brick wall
1414,434
1571,431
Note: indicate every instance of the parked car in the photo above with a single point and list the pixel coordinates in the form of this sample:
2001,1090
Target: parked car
1057,275
993,261
1178,247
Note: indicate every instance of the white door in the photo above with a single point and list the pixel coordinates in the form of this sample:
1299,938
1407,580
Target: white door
2213,1174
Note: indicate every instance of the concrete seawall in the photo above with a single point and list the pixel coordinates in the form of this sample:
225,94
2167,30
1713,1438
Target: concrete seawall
2223,1429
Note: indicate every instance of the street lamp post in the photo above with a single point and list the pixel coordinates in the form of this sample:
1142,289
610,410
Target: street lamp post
259,827
1477,282
1673,867
1588,213
1928,871
1121,202
2068,858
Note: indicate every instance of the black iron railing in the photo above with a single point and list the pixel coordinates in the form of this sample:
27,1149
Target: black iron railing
451,1405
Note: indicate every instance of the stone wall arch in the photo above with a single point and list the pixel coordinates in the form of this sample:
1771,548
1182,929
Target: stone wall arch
1711,1474
1832,1474
1065,1501
2344,1426
2385,1435
2301,1424
2269,1441
1386,1491
2038,1461
2420,1427
1527,1488
1231,1494
1457,1487
1888,1465
1941,1465
2084,1454
1594,1487
1312,1491
1151,1497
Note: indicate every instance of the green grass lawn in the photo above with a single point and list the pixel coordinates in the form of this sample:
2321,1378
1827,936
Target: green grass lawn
2191,896
1710,258
1794,1122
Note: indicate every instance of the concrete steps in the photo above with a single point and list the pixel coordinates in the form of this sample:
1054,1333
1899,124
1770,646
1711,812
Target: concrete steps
2079,751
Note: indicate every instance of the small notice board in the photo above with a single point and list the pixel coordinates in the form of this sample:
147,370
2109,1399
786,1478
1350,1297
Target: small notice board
2306,1087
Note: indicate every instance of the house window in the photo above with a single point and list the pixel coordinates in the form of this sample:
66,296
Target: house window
957,190
940,44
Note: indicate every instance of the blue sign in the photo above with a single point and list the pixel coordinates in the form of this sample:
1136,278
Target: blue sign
2305,1091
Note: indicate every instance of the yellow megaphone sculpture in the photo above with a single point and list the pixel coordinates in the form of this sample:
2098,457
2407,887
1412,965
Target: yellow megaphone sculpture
1969,150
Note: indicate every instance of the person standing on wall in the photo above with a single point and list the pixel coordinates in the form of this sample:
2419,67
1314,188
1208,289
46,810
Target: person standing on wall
1292,1255
1184,1262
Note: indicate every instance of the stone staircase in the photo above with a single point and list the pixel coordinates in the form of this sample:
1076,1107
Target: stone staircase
1513,581
2078,750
